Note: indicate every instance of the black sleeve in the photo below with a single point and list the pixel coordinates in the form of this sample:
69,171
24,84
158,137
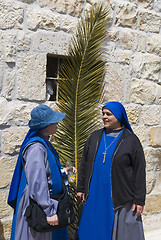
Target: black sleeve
82,169
140,175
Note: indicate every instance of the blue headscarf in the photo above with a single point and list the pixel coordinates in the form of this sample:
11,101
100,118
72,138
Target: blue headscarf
119,112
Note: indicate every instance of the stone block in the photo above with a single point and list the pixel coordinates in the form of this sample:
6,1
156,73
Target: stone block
122,56
73,7
126,15
158,155
150,65
152,221
140,132
8,44
154,135
158,100
157,6
113,34
15,112
68,23
7,165
90,3
45,3
151,115
5,229
3,103
154,45
149,21
158,181
153,159
128,39
31,75
141,43
23,42
3,204
111,52
54,43
143,91
144,66
150,181
133,112
113,78
153,203
12,139
42,19
143,3
9,79
11,15
137,63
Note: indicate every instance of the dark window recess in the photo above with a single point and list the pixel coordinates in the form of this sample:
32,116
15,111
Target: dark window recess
52,76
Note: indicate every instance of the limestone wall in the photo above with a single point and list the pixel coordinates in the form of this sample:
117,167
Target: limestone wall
29,29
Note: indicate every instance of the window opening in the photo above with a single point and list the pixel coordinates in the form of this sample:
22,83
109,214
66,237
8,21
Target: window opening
52,76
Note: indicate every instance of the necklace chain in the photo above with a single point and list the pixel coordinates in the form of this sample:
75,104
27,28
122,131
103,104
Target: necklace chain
105,153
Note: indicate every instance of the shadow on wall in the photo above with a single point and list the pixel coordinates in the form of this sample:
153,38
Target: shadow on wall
1,231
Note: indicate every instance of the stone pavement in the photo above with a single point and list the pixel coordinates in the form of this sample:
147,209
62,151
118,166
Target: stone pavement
153,235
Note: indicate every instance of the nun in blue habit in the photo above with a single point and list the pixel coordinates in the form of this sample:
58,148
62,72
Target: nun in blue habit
37,175
111,180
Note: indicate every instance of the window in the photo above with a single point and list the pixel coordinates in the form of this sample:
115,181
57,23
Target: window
52,76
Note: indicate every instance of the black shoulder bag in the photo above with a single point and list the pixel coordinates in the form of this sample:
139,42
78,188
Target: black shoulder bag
36,217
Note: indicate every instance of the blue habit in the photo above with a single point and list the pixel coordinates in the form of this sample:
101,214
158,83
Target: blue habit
98,214
19,182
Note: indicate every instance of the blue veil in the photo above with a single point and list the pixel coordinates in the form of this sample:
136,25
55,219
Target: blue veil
18,182
14,188
119,112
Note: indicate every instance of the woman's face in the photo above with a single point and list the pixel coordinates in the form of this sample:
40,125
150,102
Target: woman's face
110,120
51,129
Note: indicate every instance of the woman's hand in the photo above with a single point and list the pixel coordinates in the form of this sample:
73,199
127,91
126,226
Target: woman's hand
80,197
68,169
53,220
138,209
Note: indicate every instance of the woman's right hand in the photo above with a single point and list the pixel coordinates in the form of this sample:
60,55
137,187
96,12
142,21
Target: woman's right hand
53,220
80,197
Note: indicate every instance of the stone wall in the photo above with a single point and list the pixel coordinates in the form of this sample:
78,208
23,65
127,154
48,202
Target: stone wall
30,29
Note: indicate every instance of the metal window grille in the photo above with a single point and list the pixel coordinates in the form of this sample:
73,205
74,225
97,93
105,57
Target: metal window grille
52,77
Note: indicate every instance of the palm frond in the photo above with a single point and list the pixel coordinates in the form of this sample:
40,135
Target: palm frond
81,85
81,90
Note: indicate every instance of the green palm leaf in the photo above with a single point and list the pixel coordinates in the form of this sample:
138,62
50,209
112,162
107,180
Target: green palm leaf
81,90
81,85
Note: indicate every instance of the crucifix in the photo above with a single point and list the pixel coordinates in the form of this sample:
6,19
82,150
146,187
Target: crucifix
104,158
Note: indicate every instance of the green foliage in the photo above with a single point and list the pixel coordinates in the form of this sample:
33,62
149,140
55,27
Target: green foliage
81,90
81,85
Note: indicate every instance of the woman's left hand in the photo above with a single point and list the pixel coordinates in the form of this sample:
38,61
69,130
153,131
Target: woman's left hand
68,169
138,209
53,220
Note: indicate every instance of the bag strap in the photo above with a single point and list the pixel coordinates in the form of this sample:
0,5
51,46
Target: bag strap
24,150
23,163
63,184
